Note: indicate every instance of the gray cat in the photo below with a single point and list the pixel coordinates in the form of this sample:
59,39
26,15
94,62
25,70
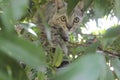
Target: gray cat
60,24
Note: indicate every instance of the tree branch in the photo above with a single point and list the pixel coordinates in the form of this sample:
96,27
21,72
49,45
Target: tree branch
109,52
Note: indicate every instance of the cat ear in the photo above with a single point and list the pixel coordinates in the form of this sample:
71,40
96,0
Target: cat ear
59,3
80,6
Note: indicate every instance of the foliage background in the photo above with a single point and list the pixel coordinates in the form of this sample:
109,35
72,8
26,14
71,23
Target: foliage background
96,53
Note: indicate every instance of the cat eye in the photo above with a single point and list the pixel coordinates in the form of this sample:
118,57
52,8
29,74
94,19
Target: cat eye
76,20
63,18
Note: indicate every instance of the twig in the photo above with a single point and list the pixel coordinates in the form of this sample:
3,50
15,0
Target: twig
108,52
72,44
99,48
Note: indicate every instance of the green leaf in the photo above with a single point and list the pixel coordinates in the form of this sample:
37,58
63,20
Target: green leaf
112,32
7,20
71,5
92,48
58,57
101,7
115,62
87,4
109,74
78,49
105,42
87,67
116,8
13,10
41,76
18,8
23,51
10,69
4,76
42,1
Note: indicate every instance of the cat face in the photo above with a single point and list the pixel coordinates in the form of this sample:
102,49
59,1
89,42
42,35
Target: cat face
57,17
69,23
60,18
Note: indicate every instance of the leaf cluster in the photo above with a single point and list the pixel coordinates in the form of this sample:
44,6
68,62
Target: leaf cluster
90,59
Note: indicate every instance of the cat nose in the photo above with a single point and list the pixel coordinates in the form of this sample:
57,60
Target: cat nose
69,27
